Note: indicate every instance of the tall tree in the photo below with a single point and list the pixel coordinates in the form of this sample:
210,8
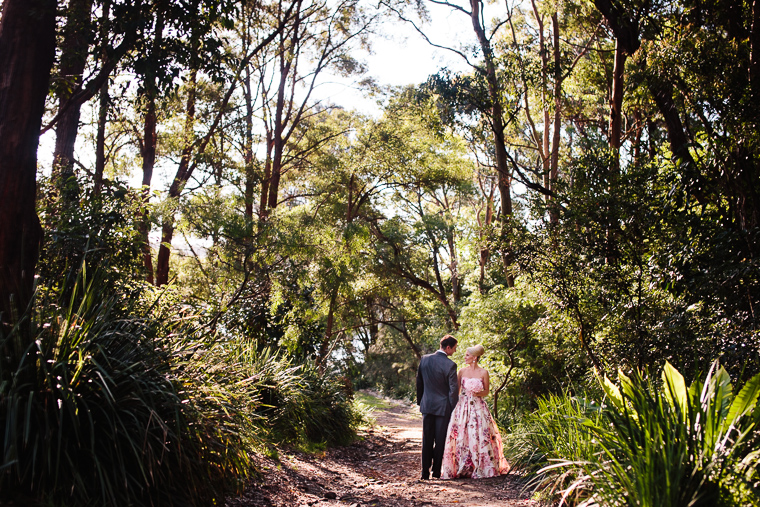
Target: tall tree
27,51
194,147
74,53
320,36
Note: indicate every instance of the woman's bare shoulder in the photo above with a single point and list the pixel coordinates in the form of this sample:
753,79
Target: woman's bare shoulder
466,372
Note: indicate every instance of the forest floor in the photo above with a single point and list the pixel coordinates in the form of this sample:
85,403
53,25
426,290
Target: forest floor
381,469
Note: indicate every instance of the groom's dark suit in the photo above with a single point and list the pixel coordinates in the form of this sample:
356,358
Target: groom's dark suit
437,394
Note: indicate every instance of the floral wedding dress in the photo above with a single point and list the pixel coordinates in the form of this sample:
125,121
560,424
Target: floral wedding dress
473,443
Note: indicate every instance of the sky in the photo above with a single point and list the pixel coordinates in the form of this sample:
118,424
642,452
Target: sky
404,57
400,56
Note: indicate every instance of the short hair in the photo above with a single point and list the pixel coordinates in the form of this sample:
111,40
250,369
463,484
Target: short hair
448,341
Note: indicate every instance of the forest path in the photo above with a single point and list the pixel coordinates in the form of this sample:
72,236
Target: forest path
380,470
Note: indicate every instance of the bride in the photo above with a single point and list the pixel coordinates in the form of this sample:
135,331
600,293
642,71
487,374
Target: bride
473,443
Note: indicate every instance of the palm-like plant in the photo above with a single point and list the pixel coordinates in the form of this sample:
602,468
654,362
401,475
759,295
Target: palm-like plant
95,408
557,431
672,446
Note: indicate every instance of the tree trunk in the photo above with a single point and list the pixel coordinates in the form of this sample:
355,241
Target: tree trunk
754,64
554,162
412,345
456,285
324,347
27,51
248,150
150,140
180,179
74,53
267,176
149,160
485,252
100,141
616,102
278,141
497,126
662,92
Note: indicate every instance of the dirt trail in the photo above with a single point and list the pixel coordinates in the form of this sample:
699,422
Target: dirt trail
380,470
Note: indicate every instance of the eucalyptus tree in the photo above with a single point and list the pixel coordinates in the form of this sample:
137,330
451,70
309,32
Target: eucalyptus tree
428,178
27,50
320,38
96,38
33,21
491,101
195,145
77,33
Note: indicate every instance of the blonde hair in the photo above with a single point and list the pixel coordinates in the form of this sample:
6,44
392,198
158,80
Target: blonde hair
476,350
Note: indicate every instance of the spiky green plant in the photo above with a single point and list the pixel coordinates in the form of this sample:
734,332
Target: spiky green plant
555,431
302,404
666,445
97,409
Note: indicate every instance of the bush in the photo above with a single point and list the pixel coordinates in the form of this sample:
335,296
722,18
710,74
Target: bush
89,412
302,405
656,445
99,406
556,430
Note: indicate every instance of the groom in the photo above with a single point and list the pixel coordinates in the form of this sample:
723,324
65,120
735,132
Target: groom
437,394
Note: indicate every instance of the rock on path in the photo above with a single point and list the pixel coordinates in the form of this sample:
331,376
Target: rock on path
380,470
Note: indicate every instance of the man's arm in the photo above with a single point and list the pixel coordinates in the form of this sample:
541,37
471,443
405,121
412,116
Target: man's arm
420,384
453,385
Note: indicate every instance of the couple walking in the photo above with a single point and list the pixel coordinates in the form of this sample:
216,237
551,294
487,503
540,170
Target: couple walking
459,436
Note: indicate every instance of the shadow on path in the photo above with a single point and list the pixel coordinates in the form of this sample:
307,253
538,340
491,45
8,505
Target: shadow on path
380,470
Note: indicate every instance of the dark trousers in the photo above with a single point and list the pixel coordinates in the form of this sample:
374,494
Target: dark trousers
434,429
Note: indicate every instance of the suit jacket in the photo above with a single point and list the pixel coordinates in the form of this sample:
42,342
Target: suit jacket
437,386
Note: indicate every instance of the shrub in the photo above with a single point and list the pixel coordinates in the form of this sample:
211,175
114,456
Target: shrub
662,445
100,406
302,404
556,430
93,413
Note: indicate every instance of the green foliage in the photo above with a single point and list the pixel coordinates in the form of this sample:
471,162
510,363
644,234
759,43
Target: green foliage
657,444
104,407
99,230
302,405
556,430
529,354
90,413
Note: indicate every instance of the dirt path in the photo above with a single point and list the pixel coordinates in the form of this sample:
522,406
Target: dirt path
380,470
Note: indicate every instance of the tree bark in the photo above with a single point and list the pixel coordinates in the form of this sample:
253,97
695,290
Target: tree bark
180,179
554,160
412,345
280,119
662,92
74,53
616,102
100,141
149,159
754,59
248,150
148,151
27,51
324,347
497,127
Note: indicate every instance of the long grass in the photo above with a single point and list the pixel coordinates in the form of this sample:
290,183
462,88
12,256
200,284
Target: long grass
557,431
100,406
653,444
88,411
